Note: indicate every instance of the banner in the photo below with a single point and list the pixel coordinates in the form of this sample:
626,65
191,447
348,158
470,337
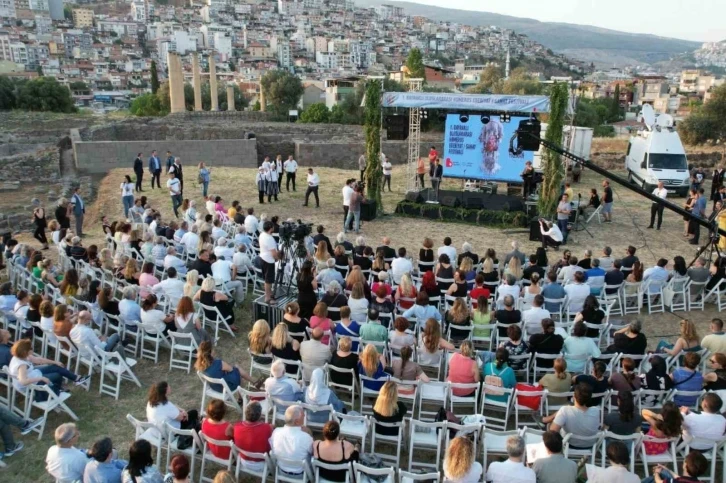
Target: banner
474,150
467,102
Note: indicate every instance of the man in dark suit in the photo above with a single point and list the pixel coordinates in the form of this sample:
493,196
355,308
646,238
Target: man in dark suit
139,171
388,252
717,178
202,265
436,173
467,253
320,237
719,195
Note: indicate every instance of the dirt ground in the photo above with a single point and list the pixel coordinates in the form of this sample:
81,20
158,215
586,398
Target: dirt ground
101,415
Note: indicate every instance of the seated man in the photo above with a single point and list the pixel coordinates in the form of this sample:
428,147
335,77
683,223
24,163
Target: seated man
400,265
553,291
242,238
513,469
225,273
329,274
172,288
606,261
714,342
181,231
282,387
313,353
190,240
467,253
373,330
555,468
64,461
699,272
103,468
7,419
217,230
515,253
580,419
83,335
709,424
242,260
293,442
619,458
577,292
222,250
567,274
510,288
694,466
171,260
595,277
533,317
252,435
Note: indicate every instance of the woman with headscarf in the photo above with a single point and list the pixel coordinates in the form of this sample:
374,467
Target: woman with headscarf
319,394
656,379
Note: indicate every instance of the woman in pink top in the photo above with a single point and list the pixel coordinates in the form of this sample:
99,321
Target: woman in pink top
463,369
147,279
320,319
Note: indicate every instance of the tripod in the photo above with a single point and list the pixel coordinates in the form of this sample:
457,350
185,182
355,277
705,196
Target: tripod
578,224
713,240
288,254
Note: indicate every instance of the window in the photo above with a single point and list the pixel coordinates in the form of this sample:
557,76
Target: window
667,161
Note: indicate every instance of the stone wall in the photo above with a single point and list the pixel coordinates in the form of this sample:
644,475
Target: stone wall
102,156
345,155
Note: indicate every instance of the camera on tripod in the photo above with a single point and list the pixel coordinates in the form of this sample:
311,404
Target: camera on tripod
295,232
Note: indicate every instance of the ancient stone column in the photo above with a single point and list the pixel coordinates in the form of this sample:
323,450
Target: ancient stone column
176,83
230,98
197,80
213,83
263,103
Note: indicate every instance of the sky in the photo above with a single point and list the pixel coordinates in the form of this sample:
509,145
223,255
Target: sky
699,20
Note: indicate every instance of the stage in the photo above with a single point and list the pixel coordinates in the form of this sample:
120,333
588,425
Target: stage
477,208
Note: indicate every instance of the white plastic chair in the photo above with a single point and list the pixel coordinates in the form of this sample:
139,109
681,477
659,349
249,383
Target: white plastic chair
389,474
227,396
208,456
355,427
182,348
53,402
117,367
490,406
425,436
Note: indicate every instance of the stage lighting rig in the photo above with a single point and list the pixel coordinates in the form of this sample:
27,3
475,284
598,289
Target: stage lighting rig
464,118
505,117
484,119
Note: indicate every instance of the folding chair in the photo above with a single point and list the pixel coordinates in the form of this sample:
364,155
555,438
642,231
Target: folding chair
65,348
215,318
253,464
397,441
226,395
353,426
149,432
112,364
350,389
263,368
282,475
593,442
260,397
389,474
425,436
172,445
653,292
669,458
597,212
525,370
155,337
368,393
679,287
207,455
183,346
313,411
632,297
471,400
432,367
717,292
521,409
632,441
708,448
53,402
406,477
694,294
495,442
489,405
318,465
538,358
435,393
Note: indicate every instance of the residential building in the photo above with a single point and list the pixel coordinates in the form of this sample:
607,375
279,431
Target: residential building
284,54
82,18
337,89
43,24
7,9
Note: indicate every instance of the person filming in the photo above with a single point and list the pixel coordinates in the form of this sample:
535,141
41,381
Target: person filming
551,234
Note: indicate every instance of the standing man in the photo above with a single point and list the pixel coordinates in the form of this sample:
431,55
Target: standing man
699,209
266,163
436,173
697,177
716,182
563,216
139,171
362,165
79,209
169,160
175,192
268,255
155,169
313,185
347,193
290,171
657,208
607,199
278,169
176,168
387,170
420,172
354,213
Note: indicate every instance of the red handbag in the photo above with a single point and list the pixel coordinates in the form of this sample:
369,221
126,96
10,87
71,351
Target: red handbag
530,402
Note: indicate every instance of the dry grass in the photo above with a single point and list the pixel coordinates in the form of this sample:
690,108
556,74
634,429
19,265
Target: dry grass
101,415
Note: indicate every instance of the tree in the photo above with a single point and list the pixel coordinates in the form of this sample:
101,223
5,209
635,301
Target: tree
373,173
80,87
147,105
39,70
154,78
415,65
315,113
553,169
615,108
68,12
707,123
487,80
45,94
8,98
282,91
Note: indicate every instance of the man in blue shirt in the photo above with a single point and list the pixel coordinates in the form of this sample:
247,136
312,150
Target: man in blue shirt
155,169
553,291
699,210
103,468
656,277
595,277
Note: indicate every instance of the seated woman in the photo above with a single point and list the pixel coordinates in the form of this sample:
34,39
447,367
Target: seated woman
626,379
626,420
546,343
252,435
688,341
344,358
356,276
341,259
215,368
160,411
444,271
514,268
406,290
334,298
383,281
458,318
379,265
667,424
422,310
334,451
147,279
459,288
516,346
431,345
215,427
47,273
467,268
529,292
285,347
319,394
320,319
399,337
716,380
261,342
426,253
209,296
357,302
388,409
140,467
428,286
488,271
187,322
629,340
560,381
687,378
294,322
656,379
382,303
371,365
481,316
596,380
578,347
499,374
463,369
155,318
592,314
106,302
460,464
24,371
405,369
131,273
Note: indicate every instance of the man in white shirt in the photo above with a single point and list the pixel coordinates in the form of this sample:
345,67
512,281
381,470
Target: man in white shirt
709,424
551,234
251,222
657,208
268,255
567,274
387,170
222,250
83,336
400,265
533,317
513,470
579,419
218,232
242,261
606,260
313,185
225,273
510,288
347,193
172,287
657,276
290,167
266,164
448,250
171,260
577,292
190,240
64,461
174,187
716,340
293,442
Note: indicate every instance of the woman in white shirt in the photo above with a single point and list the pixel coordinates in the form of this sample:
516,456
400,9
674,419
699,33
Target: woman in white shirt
358,303
127,195
46,321
155,318
160,411
186,323
387,170
460,465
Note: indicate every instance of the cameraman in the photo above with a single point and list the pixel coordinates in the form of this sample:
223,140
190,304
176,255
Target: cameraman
551,234
268,255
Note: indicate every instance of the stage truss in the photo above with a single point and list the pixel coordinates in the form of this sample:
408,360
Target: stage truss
414,138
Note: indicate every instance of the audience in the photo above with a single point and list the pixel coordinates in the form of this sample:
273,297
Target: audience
314,353
282,387
555,468
388,409
618,456
695,465
578,347
319,394
463,369
334,451
665,425
252,436
513,469
460,464
293,443
140,467
709,424
103,467
581,419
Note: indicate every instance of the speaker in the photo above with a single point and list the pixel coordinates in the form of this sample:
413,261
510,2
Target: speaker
534,233
368,210
396,128
449,200
473,201
529,126
414,197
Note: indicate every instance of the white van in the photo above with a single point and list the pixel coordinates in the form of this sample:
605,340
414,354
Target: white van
657,154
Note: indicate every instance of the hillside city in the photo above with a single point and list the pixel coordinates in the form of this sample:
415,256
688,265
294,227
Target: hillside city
104,51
